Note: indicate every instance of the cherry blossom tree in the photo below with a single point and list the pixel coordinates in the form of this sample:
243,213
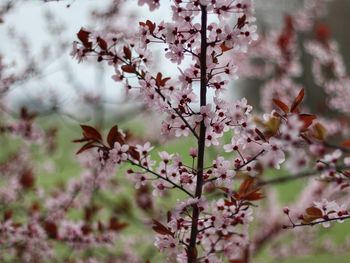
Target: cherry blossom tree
226,208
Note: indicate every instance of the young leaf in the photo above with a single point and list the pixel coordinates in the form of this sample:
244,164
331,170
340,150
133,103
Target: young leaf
346,143
312,213
128,68
319,132
281,105
51,229
134,154
113,136
83,36
297,101
307,119
241,21
115,225
102,43
127,52
151,26
91,133
161,229
86,146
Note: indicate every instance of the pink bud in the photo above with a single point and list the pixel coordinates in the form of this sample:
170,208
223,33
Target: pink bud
286,210
194,152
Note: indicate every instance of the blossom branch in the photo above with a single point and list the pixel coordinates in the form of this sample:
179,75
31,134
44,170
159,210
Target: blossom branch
293,225
161,177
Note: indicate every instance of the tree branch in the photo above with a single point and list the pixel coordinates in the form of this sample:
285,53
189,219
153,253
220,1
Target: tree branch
192,253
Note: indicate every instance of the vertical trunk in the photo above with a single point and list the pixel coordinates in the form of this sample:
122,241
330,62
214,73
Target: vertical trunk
192,251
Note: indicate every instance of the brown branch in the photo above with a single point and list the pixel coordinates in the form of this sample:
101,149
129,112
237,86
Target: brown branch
289,177
192,253
317,222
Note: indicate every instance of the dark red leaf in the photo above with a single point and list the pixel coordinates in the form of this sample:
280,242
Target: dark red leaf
161,229
86,229
86,146
224,48
297,101
307,119
113,136
91,133
237,261
312,213
127,52
51,229
151,26
134,154
115,225
83,36
346,143
102,43
241,21
128,68
281,105
248,191
8,214
27,179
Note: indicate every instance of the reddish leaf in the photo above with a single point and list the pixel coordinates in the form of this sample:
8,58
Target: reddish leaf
128,68
127,52
346,143
8,215
241,21
151,26
307,119
248,191
27,179
115,225
246,185
161,229
238,261
100,227
297,101
91,133
134,154
281,105
114,136
83,36
159,81
253,196
102,43
51,229
86,146
319,131
224,48
86,229
312,213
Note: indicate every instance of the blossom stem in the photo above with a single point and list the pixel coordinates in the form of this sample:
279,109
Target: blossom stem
161,177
